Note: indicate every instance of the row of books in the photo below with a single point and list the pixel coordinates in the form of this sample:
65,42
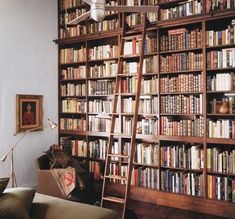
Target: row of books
186,183
145,177
132,47
181,104
100,106
148,105
74,106
130,67
221,128
183,156
65,4
105,25
128,84
147,154
73,124
149,85
72,31
71,73
221,160
181,38
101,87
187,8
79,148
150,65
181,83
98,148
224,106
97,124
71,89
221,59
221,188
67,17
152,16
96,168
212,5
221,82
144,126
181,62
72,55
134,19
182,127
106,69
221,37
150,45
103,52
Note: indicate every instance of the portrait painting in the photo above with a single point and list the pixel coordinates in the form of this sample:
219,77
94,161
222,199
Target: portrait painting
28,112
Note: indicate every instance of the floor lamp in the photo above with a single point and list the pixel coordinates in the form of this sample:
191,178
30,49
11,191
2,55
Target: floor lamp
51,124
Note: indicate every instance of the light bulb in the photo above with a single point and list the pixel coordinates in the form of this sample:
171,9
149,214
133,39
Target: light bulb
97,11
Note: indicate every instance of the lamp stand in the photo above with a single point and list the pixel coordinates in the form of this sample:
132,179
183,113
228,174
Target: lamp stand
13,175
11,151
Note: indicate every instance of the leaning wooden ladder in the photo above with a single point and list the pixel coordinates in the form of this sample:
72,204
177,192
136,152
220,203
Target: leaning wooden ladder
107,176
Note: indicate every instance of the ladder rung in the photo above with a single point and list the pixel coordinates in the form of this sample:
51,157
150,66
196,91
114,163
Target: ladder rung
114,199
118,155
116,177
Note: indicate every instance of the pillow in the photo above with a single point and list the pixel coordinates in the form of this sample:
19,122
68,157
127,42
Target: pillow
3,184
16,203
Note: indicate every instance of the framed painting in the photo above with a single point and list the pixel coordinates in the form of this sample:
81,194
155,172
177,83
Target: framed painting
28,112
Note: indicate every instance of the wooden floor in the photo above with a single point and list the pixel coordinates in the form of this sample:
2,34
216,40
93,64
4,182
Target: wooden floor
143,210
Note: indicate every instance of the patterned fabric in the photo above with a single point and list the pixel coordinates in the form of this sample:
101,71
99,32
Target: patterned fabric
65,179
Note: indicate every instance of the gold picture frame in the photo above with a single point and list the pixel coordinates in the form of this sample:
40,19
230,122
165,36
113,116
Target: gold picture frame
29,112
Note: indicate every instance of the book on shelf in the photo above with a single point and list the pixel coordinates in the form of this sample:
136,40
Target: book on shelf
221,37
145,177
98,148
70,124
150,65
187,183
79,148
107,69
221,82
101,87
147,154
134,19
72,55
181,104
73,106
182,156
219,5
184,9
182,127
181,38
224,58
181,62
221,160
103,52
181,83
220,187
95,167
72,89
221,128
105,25
71,73
100,106
132,47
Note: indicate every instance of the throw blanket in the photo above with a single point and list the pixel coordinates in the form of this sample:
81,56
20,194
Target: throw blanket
65,179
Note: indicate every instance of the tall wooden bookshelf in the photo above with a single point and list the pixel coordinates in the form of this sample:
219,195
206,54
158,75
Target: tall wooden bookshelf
185,142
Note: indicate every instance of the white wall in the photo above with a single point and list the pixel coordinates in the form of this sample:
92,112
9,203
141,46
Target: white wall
28,65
